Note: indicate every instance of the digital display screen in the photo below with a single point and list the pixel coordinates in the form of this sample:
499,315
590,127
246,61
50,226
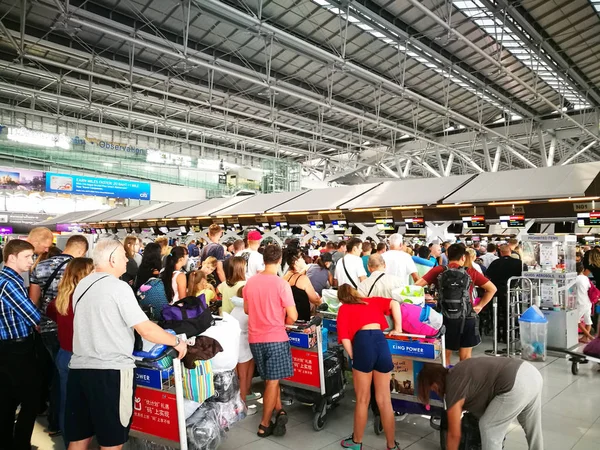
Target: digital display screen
164,230
281,225
416,223
316,225
588,219
265,226
474,222
339,225
114,230
183,229
385,224
128,229
512,221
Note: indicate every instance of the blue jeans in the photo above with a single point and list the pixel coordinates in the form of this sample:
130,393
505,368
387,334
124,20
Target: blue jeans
62,364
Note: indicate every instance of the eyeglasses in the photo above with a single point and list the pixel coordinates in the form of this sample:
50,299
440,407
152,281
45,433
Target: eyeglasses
112,253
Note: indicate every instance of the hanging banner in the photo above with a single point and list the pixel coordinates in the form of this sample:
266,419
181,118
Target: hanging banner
103,187
21,179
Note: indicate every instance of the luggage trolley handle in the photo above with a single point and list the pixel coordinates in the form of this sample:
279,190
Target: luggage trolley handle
438,335
510,318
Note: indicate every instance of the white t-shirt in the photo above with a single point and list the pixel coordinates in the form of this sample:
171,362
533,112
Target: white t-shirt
488,258
582,286
103,326
399,263
382,285
355,268
255,262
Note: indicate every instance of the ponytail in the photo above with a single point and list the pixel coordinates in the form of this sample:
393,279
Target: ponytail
167,276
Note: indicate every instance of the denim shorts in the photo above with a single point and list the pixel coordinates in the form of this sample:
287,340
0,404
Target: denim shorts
371,352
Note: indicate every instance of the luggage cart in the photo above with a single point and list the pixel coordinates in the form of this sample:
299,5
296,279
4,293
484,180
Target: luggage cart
153,417
409,352
318,378
575,358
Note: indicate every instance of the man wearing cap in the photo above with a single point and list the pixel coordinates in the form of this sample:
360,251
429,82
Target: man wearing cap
255,263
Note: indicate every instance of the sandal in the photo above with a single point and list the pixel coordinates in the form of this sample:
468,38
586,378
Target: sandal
281,420
266,431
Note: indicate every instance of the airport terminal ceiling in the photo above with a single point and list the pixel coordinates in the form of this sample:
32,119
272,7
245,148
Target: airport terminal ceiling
354,90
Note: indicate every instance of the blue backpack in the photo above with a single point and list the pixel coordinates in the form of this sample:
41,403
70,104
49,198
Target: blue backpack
152,297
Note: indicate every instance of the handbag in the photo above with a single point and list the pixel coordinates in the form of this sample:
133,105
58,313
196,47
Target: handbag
198,383
189,316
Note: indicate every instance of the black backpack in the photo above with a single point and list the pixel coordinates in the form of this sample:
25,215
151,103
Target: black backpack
454,285
470,438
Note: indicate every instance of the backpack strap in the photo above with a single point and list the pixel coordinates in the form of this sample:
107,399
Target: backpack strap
347,274
53,276
374,283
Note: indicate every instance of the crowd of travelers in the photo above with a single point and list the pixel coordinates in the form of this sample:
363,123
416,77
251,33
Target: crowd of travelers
67,321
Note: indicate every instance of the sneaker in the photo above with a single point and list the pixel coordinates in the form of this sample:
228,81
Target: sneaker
253,396
395,447
349,443
252,409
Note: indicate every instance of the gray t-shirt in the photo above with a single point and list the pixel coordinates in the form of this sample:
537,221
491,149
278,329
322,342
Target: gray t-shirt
479,380
104,320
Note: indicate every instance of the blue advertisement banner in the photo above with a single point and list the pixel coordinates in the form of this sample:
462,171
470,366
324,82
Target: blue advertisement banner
103,187
412,349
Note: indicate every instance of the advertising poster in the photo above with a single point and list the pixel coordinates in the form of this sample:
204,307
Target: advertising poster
103,187
155,413
21,179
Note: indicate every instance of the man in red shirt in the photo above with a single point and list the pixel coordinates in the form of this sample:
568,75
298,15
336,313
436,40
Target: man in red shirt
461,335
269,303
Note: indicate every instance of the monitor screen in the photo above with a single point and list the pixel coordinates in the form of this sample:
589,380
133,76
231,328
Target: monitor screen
316,225
385,224
281,225
183,229
517,221
163,230
416,223
474,222
588,219
339,225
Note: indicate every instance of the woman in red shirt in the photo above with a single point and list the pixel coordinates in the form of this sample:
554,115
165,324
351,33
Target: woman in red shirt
360,326
61,311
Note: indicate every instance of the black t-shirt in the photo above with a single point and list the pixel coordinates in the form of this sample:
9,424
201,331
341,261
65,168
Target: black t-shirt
501,270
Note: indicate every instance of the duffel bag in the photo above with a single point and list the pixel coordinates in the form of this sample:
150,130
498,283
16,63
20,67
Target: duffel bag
189,316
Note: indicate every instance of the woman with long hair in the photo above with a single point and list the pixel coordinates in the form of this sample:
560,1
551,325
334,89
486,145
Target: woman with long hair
150,265
134,259
360,326
60,311
305,295
494,390
236,279
173,278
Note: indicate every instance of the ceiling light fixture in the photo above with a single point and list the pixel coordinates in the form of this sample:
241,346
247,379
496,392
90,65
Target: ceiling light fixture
518,202
406,208
573,199
455,205
299,213
366,210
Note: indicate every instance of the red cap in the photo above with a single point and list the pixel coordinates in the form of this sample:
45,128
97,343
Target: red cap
254,236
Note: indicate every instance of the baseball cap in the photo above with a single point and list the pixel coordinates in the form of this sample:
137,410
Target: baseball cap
326,257
254,235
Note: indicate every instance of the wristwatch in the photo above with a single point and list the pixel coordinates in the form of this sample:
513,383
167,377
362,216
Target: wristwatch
177,341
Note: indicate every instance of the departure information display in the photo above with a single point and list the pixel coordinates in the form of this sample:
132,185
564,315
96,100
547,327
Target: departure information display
385,224
474,222
416,223
316,225
588,219
517,221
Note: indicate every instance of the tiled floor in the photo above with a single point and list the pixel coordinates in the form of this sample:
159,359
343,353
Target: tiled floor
571,415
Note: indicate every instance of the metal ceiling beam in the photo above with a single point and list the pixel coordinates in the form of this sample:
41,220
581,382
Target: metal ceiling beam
498,65
573,155
536,35
275,85
432,52
235,16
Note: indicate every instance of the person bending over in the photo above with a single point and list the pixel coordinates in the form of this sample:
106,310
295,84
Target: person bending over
360,324
495,390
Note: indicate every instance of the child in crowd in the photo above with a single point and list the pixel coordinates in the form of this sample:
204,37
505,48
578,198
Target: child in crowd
245,367
584,304
198,284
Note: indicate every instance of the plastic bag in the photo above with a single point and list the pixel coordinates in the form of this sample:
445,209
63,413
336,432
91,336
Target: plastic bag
227,386
229,412
136,443
204,431
409,294
330,297
227,333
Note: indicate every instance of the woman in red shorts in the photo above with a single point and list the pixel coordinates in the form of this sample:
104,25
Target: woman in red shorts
360,326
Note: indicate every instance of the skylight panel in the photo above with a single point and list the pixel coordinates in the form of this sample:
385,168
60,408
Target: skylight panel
481,16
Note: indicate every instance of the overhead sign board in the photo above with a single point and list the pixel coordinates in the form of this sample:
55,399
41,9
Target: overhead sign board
22,180
102,187
514,221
